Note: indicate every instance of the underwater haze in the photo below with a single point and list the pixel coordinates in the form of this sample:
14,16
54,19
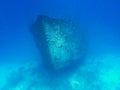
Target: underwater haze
21,62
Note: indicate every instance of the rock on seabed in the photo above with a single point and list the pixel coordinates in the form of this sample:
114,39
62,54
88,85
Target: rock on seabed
60,42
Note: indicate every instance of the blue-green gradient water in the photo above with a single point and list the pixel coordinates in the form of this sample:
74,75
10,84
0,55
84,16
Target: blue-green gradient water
21,65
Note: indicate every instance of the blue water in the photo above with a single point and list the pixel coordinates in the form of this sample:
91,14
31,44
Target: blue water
20,60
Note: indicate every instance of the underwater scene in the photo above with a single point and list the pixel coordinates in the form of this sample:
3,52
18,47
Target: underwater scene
59,45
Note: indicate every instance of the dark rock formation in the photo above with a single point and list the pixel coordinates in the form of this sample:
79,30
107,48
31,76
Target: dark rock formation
59,41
